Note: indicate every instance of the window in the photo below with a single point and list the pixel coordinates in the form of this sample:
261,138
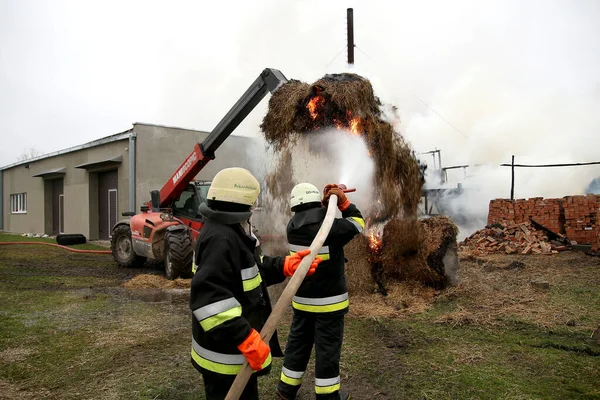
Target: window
18,203
187,204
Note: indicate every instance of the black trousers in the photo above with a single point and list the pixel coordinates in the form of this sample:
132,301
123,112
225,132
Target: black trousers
324,331
216,386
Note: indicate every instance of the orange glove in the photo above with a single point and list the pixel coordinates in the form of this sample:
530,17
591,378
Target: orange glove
291,263
328,188
342,200
255,350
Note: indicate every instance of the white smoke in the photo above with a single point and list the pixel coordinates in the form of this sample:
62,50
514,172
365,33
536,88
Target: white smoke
481,82
335,156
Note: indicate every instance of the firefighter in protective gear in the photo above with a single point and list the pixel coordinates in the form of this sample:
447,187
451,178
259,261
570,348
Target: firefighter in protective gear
322,300
229,299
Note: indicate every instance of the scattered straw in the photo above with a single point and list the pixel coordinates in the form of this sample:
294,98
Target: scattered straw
146,281
403,299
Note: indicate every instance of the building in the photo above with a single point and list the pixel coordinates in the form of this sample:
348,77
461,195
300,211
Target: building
86,188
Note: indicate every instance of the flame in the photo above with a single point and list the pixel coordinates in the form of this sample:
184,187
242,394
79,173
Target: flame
354,125
374,241
315,103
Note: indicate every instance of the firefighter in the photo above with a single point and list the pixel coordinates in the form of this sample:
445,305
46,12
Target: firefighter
321,302
229,299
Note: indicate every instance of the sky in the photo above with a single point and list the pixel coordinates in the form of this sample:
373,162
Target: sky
479,80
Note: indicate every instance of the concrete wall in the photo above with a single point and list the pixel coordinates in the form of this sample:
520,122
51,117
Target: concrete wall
77,198
160,150
19,180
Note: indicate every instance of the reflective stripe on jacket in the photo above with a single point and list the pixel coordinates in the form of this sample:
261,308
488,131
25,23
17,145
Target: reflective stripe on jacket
229,296
325,291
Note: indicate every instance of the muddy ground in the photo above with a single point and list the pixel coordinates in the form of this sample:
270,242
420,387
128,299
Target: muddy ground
75,326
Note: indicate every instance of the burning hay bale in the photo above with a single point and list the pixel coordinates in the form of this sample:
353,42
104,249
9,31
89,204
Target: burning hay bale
358,268
431,260
347,101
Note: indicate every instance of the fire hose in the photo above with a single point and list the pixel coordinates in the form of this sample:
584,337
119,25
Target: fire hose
60,246
286,297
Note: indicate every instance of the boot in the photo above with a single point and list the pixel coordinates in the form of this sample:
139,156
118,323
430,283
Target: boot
282,397
344,395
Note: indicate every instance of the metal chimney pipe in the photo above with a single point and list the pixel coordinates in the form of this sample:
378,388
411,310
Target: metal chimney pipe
350,19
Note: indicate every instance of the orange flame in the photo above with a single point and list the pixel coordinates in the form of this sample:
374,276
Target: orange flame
338,124
374,241
314,104
354,122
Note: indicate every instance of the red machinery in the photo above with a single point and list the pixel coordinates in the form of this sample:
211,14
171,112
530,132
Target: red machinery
168,226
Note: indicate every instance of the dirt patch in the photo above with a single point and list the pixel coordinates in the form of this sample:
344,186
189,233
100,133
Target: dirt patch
148,281
15,354
12,391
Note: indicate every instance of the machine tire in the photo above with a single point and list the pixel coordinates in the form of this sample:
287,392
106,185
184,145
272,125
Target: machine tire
178,255
69,239
122,248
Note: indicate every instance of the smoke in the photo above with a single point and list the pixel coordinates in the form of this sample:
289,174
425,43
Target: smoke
329,156
335,156
496,122
481,82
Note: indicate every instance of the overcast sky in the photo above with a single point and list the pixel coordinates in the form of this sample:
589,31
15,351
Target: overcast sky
509,77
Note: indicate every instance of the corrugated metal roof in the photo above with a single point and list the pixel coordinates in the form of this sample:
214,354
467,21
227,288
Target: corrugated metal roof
104,140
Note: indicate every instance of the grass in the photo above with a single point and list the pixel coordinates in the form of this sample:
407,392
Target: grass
7,237
70,330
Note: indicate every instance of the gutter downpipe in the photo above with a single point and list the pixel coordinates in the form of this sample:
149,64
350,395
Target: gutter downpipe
132,140
1,201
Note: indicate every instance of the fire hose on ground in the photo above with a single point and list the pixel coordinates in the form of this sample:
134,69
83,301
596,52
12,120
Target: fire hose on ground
59,246
286,297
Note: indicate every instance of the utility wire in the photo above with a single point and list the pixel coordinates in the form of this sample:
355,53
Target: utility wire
550,165
338,54
438,114
421,100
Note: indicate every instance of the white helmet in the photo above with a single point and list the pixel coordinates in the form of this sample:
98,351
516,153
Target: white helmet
304,193
234,185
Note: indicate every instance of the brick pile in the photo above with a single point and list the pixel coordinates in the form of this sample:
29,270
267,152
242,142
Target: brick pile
501,210
576,217
581,216
544,211
511,238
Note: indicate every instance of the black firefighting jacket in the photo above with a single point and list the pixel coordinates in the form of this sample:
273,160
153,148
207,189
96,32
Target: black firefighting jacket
229,294
325,291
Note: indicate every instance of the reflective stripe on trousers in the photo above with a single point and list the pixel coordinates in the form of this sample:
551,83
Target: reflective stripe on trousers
321,305
329,385
226,364
290,377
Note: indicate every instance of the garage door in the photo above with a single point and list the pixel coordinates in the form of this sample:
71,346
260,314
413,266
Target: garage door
107,202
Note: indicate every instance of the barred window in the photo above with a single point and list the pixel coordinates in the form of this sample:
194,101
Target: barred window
18,203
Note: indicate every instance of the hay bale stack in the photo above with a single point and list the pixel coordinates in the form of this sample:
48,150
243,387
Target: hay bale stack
283,106
423,251
358,268
345,101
